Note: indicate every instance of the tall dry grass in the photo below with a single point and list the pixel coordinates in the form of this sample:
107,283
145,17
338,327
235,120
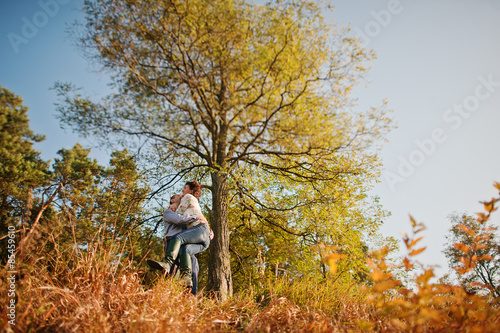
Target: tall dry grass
95,297
73,290
62,288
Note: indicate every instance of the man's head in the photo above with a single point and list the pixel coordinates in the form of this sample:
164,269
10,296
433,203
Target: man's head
175,199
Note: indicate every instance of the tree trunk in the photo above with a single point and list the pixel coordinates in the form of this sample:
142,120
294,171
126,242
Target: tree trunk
26,239
29,206
219,274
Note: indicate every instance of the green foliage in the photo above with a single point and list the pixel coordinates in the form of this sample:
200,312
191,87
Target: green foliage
282,227
213,84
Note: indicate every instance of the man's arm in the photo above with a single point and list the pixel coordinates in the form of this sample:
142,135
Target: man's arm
171,217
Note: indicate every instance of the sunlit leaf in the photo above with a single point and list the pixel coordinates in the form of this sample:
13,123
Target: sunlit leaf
497,185
415,241
477,246
331,260
484,257
386,285
413,222
462,247
489,205
417,251
426,276
467,230
378,275
407,263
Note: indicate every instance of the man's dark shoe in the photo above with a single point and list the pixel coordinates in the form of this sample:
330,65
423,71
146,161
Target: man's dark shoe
158,265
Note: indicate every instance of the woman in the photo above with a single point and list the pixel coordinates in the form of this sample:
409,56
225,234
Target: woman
196,237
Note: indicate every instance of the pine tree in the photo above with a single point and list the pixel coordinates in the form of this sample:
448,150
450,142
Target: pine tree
21,167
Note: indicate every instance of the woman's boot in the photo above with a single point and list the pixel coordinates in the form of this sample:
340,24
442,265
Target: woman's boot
186,270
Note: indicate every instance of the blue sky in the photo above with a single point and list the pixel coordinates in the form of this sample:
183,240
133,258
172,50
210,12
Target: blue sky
438,66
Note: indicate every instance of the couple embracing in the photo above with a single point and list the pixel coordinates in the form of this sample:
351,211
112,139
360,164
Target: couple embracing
186,233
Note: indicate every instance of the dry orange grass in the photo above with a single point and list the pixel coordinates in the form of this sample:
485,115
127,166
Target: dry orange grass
96,296
97,301
64,290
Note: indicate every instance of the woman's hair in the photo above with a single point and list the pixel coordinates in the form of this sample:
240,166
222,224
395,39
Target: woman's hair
195,187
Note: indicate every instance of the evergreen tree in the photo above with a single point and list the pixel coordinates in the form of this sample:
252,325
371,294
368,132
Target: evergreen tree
21,168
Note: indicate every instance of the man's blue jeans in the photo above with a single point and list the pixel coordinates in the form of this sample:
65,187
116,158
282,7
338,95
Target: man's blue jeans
194,240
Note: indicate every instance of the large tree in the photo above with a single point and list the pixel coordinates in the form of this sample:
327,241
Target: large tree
220,86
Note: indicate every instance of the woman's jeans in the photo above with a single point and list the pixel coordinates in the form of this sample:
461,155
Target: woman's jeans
194,240
195,270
